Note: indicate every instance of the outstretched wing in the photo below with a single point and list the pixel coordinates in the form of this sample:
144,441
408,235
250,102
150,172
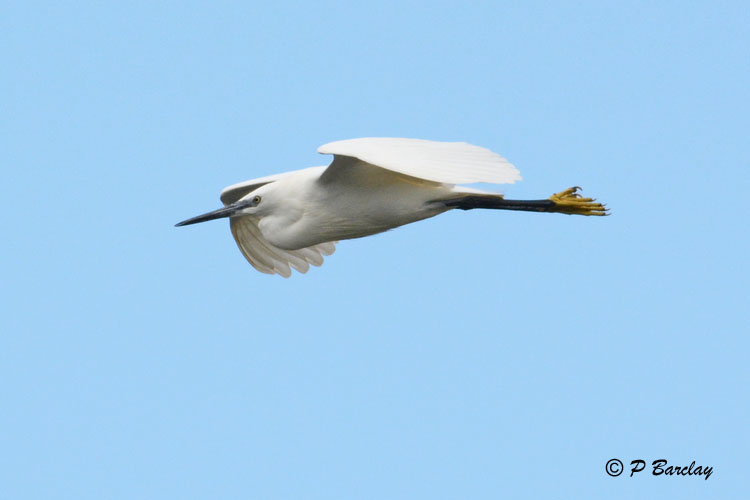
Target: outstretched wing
445,162
269,259
237,191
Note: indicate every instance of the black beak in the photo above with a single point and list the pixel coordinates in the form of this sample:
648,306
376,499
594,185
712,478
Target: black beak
227,211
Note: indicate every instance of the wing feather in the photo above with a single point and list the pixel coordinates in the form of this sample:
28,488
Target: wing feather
235,192
244,241
446,162
270,259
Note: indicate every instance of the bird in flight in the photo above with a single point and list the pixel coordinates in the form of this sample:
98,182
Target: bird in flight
291,220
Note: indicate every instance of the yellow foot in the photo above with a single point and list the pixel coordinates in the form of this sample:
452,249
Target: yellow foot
570,202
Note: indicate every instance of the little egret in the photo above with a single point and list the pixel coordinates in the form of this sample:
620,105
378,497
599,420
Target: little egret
292,220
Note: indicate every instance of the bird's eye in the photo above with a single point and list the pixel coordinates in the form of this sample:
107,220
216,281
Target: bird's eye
256,200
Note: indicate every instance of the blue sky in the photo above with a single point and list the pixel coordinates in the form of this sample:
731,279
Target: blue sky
474,355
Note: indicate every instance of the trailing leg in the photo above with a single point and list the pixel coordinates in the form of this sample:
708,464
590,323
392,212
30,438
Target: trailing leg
565,202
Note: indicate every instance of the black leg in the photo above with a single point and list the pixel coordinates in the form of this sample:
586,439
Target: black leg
565,202
498,203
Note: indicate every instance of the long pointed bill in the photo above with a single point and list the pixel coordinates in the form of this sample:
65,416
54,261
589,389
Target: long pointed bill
216,214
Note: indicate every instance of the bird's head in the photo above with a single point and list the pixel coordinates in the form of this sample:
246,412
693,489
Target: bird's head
258,203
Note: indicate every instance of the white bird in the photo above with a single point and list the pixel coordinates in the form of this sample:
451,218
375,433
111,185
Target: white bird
292,220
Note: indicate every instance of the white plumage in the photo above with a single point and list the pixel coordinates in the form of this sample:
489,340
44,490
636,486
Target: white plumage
269,259
447,162
292,220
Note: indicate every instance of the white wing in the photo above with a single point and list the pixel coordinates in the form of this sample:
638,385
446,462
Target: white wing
446,162
235,192
269,259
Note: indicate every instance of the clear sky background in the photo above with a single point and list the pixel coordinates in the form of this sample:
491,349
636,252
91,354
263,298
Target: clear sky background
476,355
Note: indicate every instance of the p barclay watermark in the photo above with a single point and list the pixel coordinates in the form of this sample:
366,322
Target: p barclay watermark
615,467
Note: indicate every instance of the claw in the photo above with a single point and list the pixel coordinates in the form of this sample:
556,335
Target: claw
570,202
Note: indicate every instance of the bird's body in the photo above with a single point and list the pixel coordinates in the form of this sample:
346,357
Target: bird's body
367,201
291,220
